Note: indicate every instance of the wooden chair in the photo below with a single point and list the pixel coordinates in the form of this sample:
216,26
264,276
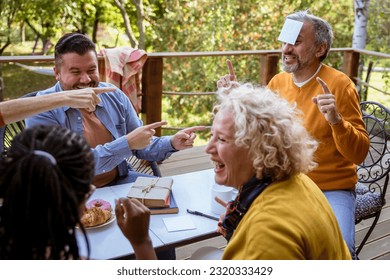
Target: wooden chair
144,166
11,130
373,172
2,131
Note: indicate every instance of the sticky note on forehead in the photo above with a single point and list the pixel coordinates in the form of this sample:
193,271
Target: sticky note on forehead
290,31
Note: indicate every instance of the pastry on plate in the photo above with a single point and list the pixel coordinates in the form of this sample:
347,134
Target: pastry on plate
95,216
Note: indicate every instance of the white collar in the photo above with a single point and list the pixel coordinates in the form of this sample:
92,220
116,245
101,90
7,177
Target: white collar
301,84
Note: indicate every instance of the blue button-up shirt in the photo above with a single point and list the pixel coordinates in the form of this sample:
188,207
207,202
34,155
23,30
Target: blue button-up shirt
119,117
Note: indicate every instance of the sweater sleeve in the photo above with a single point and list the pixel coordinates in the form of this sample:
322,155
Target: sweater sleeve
350,135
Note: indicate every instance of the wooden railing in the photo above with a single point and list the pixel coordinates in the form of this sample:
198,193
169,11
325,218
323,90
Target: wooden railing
152,76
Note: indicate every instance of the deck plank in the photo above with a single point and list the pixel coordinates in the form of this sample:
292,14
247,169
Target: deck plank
189,160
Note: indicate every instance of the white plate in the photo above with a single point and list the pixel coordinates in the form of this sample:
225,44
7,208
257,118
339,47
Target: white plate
113,218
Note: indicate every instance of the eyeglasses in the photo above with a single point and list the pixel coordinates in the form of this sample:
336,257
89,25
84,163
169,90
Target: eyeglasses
91,191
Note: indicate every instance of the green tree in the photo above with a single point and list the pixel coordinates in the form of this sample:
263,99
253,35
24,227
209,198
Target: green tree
190,25
379,34
122,5
223,25
46,18
8,12
379,26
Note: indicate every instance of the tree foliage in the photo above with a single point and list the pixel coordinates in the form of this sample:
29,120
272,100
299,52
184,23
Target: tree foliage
379,26
379,34
190,26
222,25
8,12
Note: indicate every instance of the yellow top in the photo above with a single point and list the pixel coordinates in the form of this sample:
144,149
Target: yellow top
289,220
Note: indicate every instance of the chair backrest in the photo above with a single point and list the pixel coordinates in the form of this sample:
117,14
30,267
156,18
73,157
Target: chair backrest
144,166
2,132
374,170
9,131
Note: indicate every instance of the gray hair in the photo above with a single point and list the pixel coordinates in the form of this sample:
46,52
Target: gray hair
323,32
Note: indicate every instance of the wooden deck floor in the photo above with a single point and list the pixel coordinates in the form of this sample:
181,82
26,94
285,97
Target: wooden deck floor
377,246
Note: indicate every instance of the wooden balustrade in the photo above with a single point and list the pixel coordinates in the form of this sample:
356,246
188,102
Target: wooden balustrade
152,76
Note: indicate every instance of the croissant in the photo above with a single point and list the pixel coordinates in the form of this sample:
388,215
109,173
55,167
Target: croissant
95,216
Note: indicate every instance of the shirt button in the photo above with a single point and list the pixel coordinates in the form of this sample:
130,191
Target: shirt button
79,118
104,170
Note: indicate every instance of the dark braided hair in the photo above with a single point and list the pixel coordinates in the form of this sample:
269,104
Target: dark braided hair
43,196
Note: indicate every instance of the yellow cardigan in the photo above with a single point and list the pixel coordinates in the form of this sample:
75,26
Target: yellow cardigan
343,145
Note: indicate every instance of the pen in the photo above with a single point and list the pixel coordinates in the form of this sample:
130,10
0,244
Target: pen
202,214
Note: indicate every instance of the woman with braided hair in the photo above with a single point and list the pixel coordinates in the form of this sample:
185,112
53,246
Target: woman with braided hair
45,179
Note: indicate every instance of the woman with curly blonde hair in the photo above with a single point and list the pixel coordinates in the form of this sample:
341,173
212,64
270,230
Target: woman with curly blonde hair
260,147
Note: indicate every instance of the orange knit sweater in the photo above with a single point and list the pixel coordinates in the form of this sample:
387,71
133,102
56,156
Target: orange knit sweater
341,146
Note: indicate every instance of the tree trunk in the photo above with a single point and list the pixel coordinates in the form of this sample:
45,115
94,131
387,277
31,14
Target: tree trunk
126,21
35,44
359,39
140,22
95,26
38,35
360,28
22,32
3,47
47,44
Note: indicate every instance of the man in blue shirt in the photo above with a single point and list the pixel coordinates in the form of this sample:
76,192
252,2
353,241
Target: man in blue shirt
113,130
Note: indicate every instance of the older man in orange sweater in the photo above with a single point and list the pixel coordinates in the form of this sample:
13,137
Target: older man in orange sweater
331,112
332,115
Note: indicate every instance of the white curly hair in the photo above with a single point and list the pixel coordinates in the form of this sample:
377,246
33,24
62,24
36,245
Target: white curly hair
270,128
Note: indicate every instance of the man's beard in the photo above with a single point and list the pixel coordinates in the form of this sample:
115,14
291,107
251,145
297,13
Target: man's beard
291,68
300,64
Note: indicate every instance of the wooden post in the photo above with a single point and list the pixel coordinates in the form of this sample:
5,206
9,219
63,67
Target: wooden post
152,85
1,83
351,64
102,68
268,68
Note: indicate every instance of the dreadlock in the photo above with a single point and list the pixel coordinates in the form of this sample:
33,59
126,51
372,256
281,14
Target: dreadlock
42,195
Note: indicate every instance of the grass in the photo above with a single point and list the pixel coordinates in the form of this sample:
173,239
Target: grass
19,81
374,95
